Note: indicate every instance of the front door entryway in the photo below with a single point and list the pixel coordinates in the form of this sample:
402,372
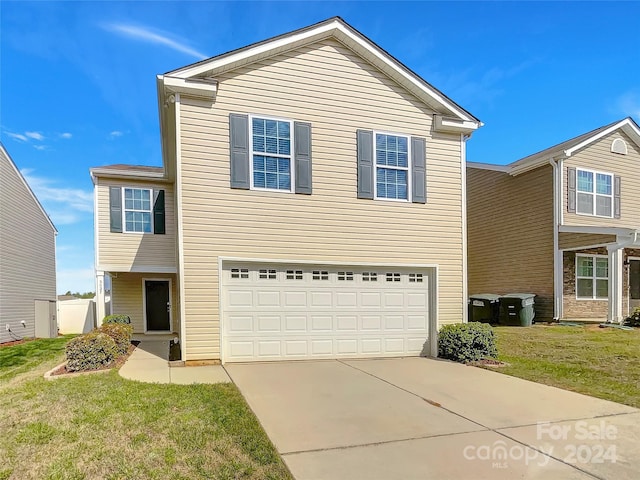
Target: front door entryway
157,305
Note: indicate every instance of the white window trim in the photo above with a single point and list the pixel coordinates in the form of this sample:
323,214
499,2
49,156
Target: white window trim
291,156
594,194
375,167
593,278
124,210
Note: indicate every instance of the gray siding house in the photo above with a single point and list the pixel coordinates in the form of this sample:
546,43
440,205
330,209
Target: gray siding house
27,259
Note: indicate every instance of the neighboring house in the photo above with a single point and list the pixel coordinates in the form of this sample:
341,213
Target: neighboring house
563,224
27,259
310,205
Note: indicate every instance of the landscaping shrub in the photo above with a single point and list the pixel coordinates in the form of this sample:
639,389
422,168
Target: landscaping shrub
467,342
633,320
124,319
120,333
91,351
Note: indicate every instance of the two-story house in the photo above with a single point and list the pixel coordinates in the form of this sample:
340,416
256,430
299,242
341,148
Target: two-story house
563,224
27,259
310,205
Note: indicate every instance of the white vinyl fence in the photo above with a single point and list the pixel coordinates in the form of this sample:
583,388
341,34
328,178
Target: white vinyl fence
76,316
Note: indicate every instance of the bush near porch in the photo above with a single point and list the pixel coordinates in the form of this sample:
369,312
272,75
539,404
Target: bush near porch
602,362
99,348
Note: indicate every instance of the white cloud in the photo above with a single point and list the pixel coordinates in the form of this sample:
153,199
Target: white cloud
629,104
18,136
34,135
40,147
66,135
76,280
64,205
116,133
155,37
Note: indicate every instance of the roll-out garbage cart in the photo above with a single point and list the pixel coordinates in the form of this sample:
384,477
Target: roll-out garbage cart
517,309
483,307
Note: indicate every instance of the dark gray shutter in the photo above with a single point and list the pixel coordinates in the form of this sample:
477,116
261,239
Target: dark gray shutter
115,209
571,190
418,170
365,163
302,152
158,212
616,196
239,146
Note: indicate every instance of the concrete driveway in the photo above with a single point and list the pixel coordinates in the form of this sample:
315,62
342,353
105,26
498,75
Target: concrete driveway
418,418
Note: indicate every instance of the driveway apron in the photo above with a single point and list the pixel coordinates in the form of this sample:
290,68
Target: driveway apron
417,418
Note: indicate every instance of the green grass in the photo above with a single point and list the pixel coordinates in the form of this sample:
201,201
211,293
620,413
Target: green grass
106,427
603,363
21,358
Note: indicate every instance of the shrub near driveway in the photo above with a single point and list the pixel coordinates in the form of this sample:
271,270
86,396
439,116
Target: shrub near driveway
467,342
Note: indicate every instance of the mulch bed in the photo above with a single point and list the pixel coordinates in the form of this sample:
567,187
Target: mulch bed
488,362
16,342
117,363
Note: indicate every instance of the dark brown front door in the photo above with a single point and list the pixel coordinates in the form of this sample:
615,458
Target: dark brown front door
157,305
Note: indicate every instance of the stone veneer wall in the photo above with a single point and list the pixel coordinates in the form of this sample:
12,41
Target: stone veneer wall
596,309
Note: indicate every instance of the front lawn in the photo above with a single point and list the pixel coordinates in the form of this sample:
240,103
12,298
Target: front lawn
106,427
22,357
600,362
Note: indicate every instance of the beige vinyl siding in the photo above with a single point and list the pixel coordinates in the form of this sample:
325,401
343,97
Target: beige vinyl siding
580,240
127,298
337,92
598,156
510,234
27,254
123,252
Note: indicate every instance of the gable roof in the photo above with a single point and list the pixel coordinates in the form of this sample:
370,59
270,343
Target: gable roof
203,71
569,147
198,79
4,153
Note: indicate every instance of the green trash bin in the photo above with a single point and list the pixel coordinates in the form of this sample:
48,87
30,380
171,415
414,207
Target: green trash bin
517,309
483,307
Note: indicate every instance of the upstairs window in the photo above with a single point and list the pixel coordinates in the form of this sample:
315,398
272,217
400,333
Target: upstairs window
392,166
271,153
594,193
137,210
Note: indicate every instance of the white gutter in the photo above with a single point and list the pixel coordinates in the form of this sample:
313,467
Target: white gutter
465,270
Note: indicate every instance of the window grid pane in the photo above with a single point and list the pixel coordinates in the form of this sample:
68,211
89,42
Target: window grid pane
585,181
271,154
137,210
594,193
392,164
603,184
592,277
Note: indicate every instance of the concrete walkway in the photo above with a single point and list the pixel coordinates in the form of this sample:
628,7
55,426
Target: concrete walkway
417,418
149,363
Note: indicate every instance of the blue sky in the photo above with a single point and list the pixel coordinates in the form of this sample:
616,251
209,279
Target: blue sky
77,79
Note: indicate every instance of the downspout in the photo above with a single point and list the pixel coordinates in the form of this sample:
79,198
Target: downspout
557,254
465,270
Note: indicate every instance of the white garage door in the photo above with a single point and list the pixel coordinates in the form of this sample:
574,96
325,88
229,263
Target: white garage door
294,312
